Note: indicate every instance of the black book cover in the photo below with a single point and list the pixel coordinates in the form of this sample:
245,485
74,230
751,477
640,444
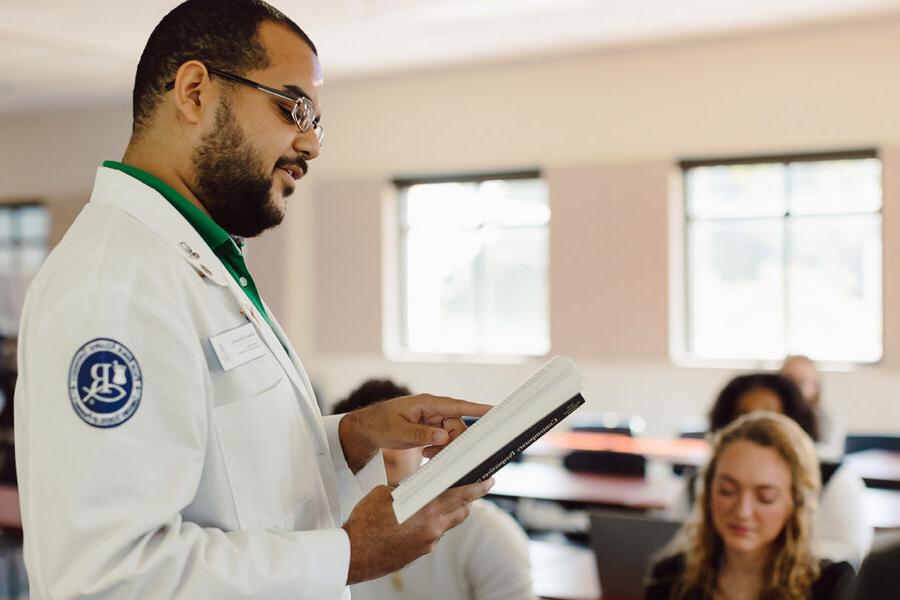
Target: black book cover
515,447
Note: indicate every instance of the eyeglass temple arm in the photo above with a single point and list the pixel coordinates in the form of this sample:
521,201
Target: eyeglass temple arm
253,84
241,80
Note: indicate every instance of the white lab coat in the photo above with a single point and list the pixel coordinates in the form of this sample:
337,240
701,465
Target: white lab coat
222,484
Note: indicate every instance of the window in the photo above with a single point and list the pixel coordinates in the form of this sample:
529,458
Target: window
473,256
23,246
784,256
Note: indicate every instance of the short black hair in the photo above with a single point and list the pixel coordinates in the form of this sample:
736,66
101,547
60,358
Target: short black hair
222,33
724,411
370,392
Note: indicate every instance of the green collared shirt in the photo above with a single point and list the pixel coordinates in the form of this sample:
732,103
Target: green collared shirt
218,240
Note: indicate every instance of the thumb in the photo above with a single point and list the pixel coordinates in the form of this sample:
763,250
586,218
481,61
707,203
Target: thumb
412,434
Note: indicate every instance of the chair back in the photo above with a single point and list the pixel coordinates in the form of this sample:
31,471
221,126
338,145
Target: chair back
858,442
606,462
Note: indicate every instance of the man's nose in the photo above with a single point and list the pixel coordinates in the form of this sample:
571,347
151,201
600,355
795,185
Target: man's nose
307,144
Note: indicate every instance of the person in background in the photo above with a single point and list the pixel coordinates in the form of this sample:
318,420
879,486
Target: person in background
762,391
485,558
841,530
750,536
8,375
879,576
802,371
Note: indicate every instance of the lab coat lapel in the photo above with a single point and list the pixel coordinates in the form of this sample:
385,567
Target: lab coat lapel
115,188
292,355
313,406
293,369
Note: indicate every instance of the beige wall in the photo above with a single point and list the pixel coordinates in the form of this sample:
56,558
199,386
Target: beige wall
606,129
891,230
348,267
796,90
608,265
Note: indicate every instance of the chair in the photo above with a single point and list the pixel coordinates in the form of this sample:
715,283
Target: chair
692,434
608,423
617,429
858,442
606,462
626,545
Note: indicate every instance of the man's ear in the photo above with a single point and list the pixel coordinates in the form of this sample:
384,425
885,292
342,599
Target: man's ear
193,94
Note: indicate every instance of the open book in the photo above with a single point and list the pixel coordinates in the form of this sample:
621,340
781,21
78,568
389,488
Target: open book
533,409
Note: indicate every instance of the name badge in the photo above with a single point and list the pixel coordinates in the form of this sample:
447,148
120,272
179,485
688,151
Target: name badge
237,346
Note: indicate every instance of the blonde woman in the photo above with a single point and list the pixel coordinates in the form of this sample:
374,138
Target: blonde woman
750,536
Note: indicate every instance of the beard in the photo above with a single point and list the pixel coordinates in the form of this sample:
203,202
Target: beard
231,179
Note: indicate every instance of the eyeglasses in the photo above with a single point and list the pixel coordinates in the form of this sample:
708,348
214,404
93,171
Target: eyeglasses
303,113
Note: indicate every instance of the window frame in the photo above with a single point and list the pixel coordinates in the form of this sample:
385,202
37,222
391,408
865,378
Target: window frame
680,346
396,334
16,242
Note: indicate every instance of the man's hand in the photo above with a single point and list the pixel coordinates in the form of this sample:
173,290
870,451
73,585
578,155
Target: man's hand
408,422
379,545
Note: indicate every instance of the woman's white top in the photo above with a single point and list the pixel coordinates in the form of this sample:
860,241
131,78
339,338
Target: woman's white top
485,558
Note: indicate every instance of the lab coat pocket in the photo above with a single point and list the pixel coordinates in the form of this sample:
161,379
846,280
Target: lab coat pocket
256,437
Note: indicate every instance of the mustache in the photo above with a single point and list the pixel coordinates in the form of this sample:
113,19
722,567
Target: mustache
293,162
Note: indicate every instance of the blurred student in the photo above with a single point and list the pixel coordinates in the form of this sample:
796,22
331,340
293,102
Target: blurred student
879,576
485,558
8,375
750,533
841,530
803,372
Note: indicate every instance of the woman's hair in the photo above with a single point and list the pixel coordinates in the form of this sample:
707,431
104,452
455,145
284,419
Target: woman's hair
792,568
724,411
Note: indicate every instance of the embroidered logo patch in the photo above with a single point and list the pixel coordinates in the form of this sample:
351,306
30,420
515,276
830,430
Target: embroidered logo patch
105,383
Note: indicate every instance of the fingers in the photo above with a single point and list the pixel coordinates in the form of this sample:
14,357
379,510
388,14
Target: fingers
421,420
412,435
448,407
453,506
457,517
463,495
431,451
454,426
463,408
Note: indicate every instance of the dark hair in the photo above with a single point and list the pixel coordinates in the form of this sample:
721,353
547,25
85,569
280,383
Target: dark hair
370,392
724,411
220,32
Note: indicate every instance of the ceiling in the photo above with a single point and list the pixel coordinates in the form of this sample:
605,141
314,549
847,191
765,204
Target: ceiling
51,52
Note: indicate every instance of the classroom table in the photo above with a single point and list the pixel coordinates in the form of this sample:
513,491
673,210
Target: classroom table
883,508
542,481
878,468
681,451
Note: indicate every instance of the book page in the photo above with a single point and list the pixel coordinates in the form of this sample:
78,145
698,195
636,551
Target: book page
556,382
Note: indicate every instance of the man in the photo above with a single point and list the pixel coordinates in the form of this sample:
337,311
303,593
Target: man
803,372
168,439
